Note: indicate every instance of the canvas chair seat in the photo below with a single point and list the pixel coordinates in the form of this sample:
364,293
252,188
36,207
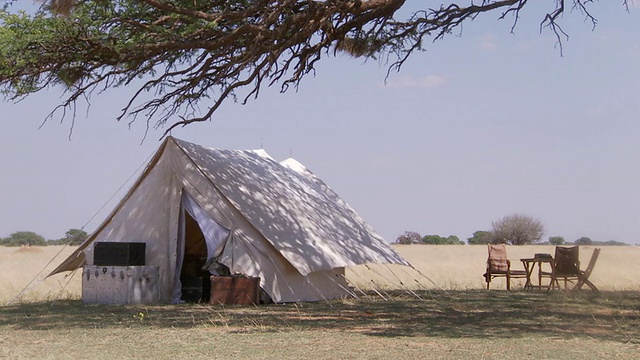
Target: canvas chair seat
512,272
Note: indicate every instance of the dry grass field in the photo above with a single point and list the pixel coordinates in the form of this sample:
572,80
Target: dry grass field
453,318
445,267
27,266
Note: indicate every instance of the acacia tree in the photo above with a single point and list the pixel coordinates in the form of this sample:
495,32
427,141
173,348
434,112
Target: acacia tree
480,238
517,230
71,237
441,240
556,240
22,238
187,51
583,241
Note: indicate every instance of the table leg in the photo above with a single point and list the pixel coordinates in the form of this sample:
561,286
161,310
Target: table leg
540,275
529,269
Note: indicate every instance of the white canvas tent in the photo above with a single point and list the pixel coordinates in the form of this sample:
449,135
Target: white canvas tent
261,218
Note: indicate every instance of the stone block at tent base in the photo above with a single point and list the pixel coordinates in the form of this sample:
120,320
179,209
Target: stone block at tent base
235,290
120,285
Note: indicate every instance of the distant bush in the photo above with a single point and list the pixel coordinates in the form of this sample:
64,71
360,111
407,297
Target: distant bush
583,241
23,238
480,238
440,240
556,240
71,237
30,238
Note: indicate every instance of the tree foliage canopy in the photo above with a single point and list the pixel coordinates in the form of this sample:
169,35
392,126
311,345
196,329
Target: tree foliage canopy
583,241
71,237
202,52
556,240
480,238
517,230
441,240
23,238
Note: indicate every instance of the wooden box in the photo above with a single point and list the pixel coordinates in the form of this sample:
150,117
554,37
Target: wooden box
235,290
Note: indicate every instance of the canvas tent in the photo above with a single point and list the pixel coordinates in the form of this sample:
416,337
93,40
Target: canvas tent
258,217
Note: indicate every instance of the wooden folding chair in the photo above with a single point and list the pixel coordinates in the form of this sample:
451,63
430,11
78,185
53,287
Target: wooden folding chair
566,266
583,276
498,265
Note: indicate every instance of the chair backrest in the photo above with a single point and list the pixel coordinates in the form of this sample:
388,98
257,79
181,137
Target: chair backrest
498,260
592,262
567,261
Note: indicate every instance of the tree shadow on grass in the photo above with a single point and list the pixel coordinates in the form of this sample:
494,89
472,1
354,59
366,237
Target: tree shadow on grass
613,316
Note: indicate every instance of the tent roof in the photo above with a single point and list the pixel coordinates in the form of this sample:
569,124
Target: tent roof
295,211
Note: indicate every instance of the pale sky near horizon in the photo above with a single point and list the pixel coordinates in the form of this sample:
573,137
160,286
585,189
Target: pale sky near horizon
480,126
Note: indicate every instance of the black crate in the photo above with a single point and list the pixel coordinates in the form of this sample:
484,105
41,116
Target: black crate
119,254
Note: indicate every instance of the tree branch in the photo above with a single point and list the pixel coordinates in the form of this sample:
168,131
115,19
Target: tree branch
191,50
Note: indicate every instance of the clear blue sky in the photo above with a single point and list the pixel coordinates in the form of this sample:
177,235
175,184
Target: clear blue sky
480,126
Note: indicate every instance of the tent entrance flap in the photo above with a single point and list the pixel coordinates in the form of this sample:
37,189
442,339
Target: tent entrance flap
200,241
214,234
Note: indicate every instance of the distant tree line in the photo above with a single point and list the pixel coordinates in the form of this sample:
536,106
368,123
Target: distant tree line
559,240
30,238
514,229
412,237
484,237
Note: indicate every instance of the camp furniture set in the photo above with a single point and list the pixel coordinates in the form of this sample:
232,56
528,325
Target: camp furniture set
551,270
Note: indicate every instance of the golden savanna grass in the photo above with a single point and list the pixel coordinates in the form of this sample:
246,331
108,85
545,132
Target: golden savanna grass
22,267
446,267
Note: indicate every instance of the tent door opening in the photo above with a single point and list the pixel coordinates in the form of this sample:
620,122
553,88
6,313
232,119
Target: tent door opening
196,286
201,240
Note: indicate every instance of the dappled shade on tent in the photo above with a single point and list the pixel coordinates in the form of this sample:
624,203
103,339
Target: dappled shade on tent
275,221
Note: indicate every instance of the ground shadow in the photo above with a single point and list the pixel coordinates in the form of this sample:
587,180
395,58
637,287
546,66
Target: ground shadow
613,316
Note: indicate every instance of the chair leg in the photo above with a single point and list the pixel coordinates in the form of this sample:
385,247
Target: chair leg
508,282
582,281
590,284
